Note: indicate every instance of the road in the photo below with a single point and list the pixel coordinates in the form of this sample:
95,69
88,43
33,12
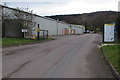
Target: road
75,56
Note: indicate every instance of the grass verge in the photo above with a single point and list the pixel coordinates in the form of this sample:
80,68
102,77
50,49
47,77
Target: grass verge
18,41
0,41
111,52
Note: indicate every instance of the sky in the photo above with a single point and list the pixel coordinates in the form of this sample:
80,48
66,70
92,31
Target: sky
63,7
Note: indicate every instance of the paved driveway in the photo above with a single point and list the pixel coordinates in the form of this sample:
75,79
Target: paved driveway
76,56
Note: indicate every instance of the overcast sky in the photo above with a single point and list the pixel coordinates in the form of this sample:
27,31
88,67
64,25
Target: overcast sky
58,7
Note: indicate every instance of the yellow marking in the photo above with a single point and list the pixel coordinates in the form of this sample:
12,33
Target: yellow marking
109,24
38,30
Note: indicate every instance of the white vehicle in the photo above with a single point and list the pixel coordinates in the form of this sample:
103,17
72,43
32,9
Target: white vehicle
88,31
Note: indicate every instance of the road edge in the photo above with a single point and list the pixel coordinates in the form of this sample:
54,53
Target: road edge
116,74
27,43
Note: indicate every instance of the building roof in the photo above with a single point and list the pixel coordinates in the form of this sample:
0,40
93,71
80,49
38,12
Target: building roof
34,14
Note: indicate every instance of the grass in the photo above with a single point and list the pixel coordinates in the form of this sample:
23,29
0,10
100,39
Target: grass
111,52
0,41
18,41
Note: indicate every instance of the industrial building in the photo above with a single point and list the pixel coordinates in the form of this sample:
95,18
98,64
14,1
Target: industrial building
77,29
54,27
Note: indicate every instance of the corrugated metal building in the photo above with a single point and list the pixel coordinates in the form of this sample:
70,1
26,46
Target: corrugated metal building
54,27
77,29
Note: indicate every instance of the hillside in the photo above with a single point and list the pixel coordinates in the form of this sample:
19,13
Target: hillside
92,21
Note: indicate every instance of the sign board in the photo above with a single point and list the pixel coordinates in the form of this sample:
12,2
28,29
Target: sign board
109,32
119,6
38,30
24,30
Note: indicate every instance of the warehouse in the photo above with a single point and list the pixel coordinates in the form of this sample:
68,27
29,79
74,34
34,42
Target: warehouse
77,29
53,26
31,22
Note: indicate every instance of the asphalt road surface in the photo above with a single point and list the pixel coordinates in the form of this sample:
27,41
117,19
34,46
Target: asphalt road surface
76,56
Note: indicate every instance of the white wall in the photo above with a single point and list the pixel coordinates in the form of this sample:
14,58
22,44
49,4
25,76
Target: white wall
82,29
46,24
78,28
61,28
54,27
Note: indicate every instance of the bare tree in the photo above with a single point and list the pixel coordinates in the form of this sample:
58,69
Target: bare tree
24,19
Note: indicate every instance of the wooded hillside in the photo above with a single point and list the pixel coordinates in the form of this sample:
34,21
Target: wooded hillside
92,21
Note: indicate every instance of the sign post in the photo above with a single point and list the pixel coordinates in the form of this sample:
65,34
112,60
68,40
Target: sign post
38,32
109,32
24,31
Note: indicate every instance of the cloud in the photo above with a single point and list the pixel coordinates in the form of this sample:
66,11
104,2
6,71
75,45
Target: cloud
78,6
47,7
97,1
35,0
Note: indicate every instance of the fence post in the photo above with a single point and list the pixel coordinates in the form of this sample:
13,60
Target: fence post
38,31
43,34
47,34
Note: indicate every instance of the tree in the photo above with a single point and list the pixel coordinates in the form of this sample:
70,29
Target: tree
23,18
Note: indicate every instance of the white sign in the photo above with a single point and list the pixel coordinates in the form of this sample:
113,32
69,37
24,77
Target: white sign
24,30
109,32
119,6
